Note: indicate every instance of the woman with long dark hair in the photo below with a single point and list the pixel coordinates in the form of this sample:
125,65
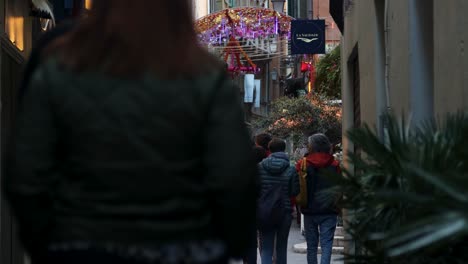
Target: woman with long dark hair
118,154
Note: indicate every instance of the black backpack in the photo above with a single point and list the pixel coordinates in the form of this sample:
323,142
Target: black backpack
270,208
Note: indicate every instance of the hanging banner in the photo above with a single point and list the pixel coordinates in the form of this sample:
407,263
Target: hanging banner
258,86
308,37
249,86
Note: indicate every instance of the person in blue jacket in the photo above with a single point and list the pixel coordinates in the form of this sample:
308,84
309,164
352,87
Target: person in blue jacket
274,170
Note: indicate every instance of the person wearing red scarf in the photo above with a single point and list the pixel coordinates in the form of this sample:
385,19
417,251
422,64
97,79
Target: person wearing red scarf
320,216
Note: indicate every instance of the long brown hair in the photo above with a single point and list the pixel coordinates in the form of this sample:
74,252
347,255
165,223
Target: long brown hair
129,37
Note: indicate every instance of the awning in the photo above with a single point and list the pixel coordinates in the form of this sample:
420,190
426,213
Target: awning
336,11
41,9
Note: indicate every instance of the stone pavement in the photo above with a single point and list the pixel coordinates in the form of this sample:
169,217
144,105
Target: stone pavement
295,237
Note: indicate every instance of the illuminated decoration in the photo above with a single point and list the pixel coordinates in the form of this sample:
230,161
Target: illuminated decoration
234,50
246,32
312,78
16,31
244,69
308,68
305,66
245,23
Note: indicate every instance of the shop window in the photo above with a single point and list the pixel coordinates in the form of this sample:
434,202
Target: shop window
14,23
88,4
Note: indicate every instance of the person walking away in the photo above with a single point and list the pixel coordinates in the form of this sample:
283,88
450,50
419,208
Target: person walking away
262,140
276,171
95,172
320,215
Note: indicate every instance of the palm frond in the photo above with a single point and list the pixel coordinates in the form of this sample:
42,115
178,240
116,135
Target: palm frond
407,192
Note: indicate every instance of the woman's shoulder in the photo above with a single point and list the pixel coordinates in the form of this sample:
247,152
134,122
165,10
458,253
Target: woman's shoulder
210,78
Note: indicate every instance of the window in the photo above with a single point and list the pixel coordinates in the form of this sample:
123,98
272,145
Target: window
217,5
293,8
88,4
14,23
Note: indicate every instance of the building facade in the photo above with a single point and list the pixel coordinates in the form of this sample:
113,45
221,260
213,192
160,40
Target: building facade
403,56
321,10
268,63
20,26
200,8
281,67
17,33
217,5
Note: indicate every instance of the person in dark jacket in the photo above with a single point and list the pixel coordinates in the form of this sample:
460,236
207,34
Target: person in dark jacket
95,171
320,215
274,170
262,140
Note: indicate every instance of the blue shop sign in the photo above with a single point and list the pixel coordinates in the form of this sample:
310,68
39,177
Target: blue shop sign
308,37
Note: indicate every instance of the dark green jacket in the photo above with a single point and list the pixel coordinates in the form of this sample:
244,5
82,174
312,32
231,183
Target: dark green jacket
132,162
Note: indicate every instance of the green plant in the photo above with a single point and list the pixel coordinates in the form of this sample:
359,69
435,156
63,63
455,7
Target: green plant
300,117
407,196
328,80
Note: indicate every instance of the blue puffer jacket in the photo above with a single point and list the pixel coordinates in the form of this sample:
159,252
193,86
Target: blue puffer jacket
277,169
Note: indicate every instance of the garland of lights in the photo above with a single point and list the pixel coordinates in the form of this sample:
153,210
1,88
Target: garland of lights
246,23
227,27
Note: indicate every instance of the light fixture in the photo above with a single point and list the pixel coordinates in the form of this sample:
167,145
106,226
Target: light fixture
278,5
88,4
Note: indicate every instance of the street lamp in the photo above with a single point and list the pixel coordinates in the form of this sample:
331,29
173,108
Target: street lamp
278,5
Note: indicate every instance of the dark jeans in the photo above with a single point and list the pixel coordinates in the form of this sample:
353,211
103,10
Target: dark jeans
327,225
267,240
98,257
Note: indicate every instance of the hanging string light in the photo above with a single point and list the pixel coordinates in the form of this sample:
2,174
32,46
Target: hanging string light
229,27
245,23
